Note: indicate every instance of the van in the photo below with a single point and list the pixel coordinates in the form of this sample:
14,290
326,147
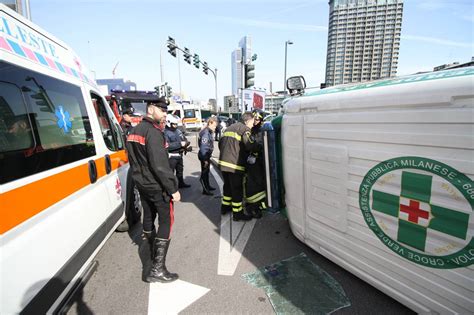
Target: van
63,168
378,179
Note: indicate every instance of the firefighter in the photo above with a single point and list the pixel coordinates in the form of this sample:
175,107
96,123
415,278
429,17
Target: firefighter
156,184
235,146
177,145
206,146
255,171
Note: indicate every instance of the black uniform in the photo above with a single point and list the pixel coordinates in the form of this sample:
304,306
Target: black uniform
255,188
126,127
152,175
235,146
174,137
206,146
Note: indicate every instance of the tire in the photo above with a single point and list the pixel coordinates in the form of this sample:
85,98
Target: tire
133,203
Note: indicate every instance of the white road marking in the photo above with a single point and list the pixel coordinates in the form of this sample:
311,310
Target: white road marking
231,252
173,297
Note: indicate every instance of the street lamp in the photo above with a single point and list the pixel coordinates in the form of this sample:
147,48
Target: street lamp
288,42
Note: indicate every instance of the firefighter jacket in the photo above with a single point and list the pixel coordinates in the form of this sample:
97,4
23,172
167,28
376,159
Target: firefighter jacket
174,136
206,144
235,146
149,159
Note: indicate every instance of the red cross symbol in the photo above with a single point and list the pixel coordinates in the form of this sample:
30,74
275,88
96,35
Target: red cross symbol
414,211
118,187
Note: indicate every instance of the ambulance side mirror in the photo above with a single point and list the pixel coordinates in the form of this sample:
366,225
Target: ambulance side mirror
296,85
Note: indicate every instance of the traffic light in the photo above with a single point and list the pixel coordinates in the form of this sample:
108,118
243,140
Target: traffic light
249,75
168,91
196,60
171,46
205,68
187,55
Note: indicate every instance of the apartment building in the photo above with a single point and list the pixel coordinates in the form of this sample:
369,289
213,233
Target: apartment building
363,40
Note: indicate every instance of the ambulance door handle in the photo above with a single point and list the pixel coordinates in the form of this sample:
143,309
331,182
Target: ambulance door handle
108,164
92,171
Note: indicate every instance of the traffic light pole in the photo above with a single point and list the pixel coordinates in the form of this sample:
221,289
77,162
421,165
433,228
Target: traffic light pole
172,45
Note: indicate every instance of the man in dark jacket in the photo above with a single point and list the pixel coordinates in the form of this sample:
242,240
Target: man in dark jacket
235,146
255,169
126,122
206,146
157,186
177,145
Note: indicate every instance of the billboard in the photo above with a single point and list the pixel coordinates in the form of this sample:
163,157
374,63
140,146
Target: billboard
254,99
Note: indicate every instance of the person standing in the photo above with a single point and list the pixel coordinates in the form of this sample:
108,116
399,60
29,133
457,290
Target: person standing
206,146
255,171
126,122
235,146
177,144
156,184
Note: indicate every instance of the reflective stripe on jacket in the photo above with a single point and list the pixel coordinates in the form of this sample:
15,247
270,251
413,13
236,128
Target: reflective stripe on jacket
235,146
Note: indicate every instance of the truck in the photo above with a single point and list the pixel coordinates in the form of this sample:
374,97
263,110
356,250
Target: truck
379,179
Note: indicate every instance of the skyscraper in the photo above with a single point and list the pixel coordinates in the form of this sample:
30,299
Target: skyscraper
363,40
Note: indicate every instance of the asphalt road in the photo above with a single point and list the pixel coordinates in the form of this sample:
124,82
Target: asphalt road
116,287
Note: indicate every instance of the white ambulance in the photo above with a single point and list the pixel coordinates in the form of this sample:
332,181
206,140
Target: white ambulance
63,168
378,179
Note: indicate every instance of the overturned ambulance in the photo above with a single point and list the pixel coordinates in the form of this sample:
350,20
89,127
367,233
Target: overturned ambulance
378,179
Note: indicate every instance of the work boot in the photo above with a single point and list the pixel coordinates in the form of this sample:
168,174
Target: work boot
225,209
254,210
182,184
205,189
149,237
241,216
158,272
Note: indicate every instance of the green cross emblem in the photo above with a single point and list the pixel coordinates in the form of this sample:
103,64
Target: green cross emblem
417,213
416,188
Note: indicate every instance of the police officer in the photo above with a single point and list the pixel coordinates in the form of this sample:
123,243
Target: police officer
255,171
156,184
126,122
235,146
177,145
206,146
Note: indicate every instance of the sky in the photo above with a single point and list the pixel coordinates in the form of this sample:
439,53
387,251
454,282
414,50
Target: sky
134,34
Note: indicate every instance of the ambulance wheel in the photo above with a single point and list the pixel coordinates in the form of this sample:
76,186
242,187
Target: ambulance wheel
134,205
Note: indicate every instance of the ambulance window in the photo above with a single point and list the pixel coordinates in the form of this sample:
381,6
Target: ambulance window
111,134
51,117
189,113
16,132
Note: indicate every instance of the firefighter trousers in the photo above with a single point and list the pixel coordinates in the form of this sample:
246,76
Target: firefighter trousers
233,192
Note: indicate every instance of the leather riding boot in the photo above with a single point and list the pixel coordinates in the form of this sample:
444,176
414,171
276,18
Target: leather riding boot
149,237
158,272
182,184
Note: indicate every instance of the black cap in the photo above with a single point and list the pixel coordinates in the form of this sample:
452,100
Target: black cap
128,111
162,102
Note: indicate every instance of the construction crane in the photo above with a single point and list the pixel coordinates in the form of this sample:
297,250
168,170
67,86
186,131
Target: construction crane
113,71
